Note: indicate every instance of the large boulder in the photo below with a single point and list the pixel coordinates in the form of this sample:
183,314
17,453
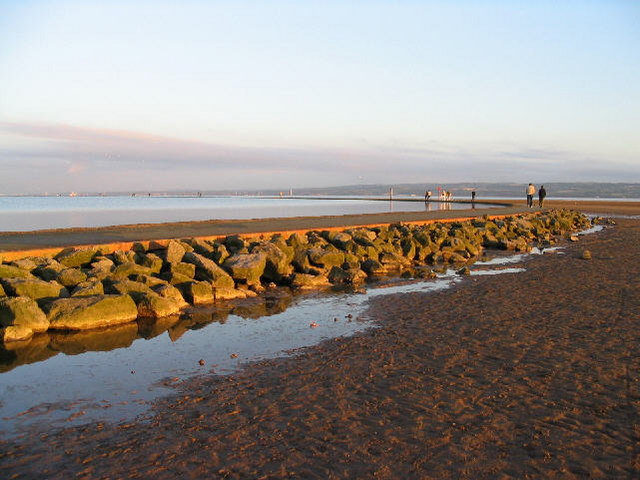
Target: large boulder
25,263
172,293
174,252
183,268
70,277
22,311
88,288
246,268
277,262
76,257
197,293
129,268
341,240
304,281
34,288
325,258
156,306
83,313
135,290
15,333
208,270
11,271
339,276
152,261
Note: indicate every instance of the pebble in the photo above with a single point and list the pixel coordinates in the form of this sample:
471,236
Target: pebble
201,362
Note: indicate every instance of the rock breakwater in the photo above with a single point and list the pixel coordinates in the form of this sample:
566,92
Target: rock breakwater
87,288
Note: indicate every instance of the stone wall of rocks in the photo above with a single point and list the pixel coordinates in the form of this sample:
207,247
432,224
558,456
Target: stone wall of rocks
83,289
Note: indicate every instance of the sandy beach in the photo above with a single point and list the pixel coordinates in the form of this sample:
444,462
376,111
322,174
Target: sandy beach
534,375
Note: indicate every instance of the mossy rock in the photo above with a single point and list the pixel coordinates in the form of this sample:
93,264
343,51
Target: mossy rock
172,293
15,333
278,264
25,263
151,261
174,252
88,288
82,313
325,258
34,288
197,293
175,278
11,271
129,268
155,306
246,268
76,257
70,277
305,281
183,268
22,311
136,290
208,270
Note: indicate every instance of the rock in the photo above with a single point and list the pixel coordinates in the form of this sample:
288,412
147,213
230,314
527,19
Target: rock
2,293
183,268
88,288
11,271
120,257
234,243
15,333
148,280
586,255
70,277
305,281
464,271
175,278
296,240
246,268
171,292
25,264
135,290
372,267
156,306
325,258
152,261
277,262
129,268
220,253
197,293
223,293
34,288
350,276
22,311
393,260
82,313
72,257
341,240
201,246
174,252
573,238
208,270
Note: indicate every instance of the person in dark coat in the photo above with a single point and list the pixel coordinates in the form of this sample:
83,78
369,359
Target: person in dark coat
541,194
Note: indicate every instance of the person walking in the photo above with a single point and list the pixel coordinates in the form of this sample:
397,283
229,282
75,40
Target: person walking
427,195
530,191
541,194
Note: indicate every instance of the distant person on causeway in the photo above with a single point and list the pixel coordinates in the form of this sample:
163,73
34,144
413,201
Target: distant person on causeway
530,191
541,194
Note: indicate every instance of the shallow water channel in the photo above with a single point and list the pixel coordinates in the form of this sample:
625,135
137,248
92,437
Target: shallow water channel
60,379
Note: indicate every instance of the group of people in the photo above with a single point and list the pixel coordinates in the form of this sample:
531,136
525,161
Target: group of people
443,195
531,191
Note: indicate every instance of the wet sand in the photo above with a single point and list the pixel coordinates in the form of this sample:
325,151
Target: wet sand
535,375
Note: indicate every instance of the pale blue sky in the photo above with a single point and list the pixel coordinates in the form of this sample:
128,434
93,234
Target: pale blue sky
153,95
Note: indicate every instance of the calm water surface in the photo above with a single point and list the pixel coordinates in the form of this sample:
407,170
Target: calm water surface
39,213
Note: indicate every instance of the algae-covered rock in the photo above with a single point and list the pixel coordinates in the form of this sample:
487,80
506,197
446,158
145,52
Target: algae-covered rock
229,293
304,281
197,293
34,288
156,306
25,263
175,278
325,258
76,257
174,252
15,333
183,268
278,263
11,271
124,256
172,293
129,268
246,268
82,313
23,311
151,261
372,267
135,290
586,255
208,270
88,288
339,275
234,243
70,277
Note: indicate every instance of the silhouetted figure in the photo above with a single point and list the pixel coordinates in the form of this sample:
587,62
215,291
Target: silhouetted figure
427,195
530,191
473,195
541,194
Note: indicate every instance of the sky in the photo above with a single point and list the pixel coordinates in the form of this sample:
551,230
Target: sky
209,95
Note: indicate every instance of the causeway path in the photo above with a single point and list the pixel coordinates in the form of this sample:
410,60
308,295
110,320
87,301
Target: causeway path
43,242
